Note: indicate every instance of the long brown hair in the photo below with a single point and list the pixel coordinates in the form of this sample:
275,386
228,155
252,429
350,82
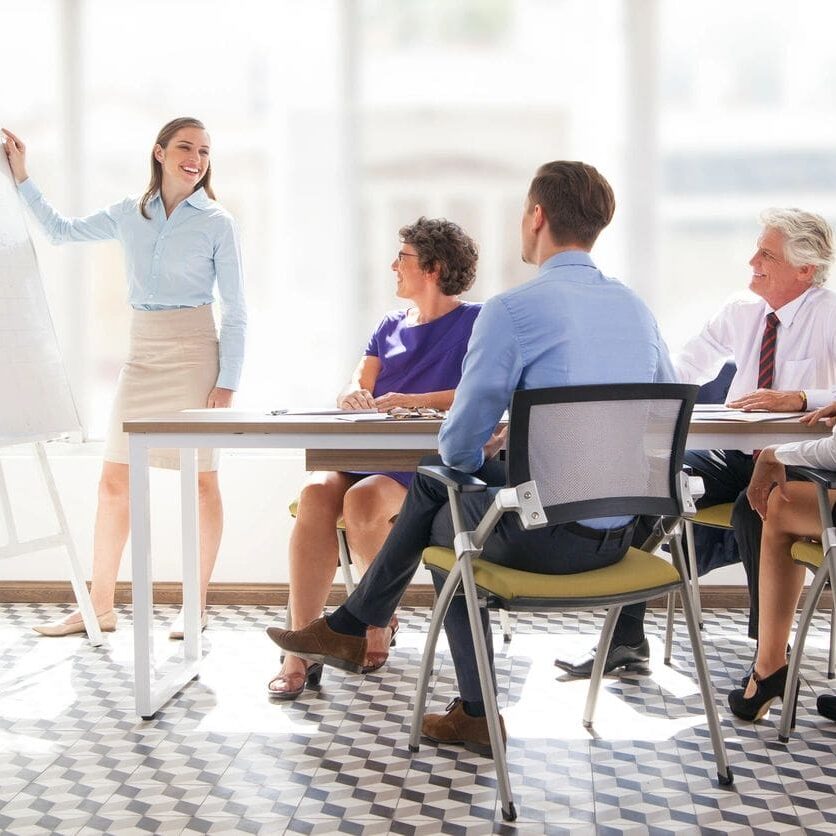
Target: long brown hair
163,138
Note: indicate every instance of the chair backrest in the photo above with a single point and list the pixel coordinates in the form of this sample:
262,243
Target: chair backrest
715,391
601,451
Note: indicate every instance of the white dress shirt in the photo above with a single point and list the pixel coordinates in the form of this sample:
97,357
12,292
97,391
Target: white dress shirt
805,355
819,452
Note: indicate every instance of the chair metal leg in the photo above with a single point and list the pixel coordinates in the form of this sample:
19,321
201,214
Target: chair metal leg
694,585
488,695
831,656
505,624
669,627
345,562
724,773
442,604
597,674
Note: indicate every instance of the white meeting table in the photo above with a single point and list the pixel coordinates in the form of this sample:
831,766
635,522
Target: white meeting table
330,443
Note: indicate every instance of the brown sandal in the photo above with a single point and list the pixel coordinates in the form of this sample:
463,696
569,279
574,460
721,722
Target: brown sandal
294,683
376,659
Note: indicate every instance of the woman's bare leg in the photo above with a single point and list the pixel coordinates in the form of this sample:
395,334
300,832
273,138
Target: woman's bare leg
313,551
211,527
368,510
781,579
109,537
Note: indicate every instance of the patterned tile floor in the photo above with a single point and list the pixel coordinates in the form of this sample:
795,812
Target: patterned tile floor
223,758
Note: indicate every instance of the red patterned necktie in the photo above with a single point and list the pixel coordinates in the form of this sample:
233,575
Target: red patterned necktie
766,368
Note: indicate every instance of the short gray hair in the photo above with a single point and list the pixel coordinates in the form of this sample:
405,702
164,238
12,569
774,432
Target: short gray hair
808,239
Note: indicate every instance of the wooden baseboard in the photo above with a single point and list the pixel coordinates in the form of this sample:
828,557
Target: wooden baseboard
275,594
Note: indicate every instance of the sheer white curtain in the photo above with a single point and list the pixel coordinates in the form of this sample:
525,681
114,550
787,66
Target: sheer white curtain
336,122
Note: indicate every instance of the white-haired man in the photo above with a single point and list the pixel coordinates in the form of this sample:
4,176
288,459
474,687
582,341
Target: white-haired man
784,346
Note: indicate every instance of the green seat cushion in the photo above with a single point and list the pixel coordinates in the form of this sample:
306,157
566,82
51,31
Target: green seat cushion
717,516
637,571
809,554
294,508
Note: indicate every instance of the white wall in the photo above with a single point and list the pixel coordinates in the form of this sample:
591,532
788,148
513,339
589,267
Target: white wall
257,486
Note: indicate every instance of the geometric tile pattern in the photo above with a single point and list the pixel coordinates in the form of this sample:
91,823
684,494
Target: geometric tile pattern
222,758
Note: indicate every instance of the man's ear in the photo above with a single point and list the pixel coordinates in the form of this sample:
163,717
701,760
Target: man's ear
538,218
806,273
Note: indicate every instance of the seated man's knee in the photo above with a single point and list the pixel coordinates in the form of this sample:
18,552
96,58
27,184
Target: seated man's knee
742,513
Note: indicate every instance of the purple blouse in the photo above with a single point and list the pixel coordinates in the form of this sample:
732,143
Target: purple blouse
421,358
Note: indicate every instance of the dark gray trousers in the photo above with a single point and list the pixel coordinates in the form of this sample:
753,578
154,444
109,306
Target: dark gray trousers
726,474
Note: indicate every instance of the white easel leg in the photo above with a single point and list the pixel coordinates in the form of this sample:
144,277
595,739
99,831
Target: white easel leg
82,596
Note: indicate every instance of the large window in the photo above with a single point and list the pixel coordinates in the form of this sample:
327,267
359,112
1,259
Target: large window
336,122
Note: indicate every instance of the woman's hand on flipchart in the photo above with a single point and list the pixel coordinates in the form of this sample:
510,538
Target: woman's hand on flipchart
219,398
16,152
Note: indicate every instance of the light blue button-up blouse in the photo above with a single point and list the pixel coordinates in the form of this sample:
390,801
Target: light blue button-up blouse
170,262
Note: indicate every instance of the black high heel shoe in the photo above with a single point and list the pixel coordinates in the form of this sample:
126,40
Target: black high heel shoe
768,690
295,683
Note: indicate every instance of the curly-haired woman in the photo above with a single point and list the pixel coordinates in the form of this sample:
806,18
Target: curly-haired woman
413,359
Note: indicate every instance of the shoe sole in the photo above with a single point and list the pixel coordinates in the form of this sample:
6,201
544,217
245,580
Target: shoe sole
642,668
81,632
476,748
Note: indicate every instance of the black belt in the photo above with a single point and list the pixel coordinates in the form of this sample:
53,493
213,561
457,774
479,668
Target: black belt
598,534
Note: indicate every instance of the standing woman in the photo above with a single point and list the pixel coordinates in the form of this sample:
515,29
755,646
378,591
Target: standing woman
178,242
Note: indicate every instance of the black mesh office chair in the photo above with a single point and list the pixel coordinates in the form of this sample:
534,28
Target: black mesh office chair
574,453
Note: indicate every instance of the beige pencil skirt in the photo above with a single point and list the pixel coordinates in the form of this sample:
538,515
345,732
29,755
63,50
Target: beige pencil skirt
172,364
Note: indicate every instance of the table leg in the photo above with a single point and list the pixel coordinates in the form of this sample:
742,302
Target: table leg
141,567
190,533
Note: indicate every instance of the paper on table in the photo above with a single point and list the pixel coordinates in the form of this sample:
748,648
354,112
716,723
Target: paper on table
375,416
748,417
710,407
326,411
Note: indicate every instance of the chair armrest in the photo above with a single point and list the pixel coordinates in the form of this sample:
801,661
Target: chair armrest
813,474
458,480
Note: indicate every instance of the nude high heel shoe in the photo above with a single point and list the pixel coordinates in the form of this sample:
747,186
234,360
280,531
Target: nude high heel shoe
107,624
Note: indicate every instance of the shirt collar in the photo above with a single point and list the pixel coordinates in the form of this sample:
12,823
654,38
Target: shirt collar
786,314
198,199
579,258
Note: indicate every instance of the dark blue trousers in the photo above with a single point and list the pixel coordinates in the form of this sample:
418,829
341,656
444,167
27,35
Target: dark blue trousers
425,520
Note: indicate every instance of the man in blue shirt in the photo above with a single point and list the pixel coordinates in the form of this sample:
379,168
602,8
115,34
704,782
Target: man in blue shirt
569,325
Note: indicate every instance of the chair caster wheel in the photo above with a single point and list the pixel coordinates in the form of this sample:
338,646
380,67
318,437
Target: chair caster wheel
725,780
511,813
413,748
783,739
668,661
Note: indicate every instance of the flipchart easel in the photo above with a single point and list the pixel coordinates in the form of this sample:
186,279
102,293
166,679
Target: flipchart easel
38,404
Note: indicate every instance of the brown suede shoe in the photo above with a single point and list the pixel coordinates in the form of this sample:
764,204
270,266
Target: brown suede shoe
459,728
319,643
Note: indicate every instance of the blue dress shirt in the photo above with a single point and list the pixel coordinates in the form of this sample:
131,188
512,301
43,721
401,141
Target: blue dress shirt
546,333
170,262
